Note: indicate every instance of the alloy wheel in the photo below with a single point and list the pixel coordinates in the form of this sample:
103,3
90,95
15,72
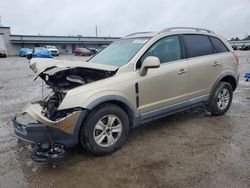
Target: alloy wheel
107,130
223,99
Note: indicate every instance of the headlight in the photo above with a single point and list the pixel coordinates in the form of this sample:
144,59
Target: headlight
25,119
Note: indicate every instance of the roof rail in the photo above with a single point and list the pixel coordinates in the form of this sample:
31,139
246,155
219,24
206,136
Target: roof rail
137,33
185,28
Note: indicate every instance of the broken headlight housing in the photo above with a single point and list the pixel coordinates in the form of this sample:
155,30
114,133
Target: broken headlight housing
25,119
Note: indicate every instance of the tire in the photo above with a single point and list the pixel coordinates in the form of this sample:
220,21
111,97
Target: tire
221,99
100,137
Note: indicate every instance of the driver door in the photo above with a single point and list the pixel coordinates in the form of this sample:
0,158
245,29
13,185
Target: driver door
164,88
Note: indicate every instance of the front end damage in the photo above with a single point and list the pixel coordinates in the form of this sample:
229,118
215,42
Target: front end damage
41,123
48,137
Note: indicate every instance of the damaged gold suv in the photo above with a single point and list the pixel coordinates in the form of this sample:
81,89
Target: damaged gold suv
139,78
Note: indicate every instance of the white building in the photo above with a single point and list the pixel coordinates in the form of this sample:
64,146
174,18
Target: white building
66,44
240,43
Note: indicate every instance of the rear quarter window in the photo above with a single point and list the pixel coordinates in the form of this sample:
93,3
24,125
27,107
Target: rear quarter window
219,46
197,45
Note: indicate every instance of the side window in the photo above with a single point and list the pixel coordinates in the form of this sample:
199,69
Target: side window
218,45
197,45
166,49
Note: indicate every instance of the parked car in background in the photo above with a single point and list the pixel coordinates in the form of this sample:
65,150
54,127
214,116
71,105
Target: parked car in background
234,47
54,51
245,47
24,51
93,51
142,77
40,52
82,52
3,53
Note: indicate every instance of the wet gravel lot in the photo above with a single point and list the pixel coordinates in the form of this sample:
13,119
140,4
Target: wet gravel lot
189,149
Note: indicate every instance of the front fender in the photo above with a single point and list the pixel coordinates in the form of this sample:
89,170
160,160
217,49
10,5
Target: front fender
90,101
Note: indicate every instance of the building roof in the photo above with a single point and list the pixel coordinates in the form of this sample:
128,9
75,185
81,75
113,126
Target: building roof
60,39
240,42
4,27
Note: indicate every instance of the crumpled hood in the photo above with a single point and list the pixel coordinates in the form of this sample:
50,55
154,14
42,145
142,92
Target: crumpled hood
40,65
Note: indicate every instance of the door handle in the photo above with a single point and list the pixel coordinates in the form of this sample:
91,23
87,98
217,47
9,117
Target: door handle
216,64
182,71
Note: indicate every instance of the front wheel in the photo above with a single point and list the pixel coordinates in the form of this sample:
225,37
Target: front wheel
221,99
105,129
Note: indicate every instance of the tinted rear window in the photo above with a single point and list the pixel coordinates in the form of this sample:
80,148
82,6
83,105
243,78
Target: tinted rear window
197,45
218,45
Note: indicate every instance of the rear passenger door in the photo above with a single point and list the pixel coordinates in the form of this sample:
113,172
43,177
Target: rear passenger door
203,65
222,55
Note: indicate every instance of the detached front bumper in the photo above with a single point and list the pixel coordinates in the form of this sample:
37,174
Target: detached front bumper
64,131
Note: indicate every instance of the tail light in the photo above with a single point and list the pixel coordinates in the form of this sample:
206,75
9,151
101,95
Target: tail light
236,57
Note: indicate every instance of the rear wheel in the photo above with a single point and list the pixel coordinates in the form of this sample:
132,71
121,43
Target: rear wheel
221,99
105,129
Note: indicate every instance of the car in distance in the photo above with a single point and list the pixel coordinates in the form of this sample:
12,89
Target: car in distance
139,78
54,51
93,51
24,51
234,47
245,47
82,52
39,52
3,53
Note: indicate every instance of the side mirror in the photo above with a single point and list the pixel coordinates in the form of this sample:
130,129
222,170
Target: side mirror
149,63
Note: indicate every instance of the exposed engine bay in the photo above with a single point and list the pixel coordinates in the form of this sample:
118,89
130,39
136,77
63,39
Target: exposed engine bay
63,80
70,78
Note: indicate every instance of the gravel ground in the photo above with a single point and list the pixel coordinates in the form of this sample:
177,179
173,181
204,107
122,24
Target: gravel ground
189,149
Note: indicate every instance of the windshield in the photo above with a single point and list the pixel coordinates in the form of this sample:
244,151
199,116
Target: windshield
120,52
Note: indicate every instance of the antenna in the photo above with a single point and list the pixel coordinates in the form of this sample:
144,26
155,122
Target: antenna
0,21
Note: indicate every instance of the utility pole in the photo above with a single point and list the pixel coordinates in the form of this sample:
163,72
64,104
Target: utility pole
0,21
96,31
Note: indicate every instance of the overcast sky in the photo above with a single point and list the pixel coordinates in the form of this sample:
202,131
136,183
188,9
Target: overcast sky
229,18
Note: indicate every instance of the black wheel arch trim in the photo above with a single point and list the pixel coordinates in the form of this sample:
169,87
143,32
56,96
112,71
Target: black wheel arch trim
108,98
221,77
115,98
